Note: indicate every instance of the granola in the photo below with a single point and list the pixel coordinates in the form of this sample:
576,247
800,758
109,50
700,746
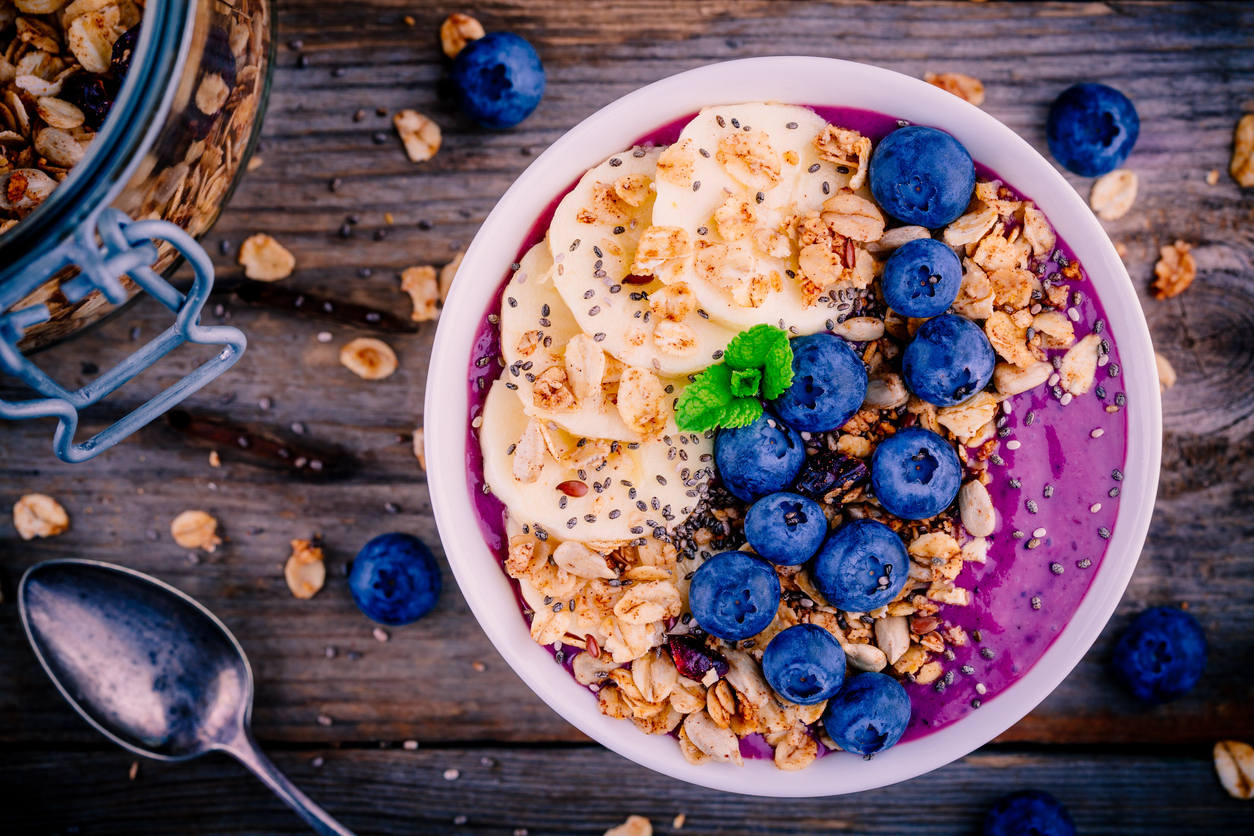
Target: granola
39,515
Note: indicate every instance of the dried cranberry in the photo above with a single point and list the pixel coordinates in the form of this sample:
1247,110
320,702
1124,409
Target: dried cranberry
694,660
92,94
123,51
827,472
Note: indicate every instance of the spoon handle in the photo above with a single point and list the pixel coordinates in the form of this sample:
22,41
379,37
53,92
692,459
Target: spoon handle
247,752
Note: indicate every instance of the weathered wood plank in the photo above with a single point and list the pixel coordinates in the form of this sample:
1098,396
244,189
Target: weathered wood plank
1190,68
587,791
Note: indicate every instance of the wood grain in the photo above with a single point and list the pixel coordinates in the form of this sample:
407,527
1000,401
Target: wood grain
587,791
1190,69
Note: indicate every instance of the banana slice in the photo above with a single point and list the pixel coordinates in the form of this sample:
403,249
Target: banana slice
538,333
593,238
584,489
733,182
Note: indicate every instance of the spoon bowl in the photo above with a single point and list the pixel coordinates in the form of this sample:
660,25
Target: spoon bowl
149,667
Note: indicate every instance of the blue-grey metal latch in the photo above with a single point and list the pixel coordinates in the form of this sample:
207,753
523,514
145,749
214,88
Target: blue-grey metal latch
126,248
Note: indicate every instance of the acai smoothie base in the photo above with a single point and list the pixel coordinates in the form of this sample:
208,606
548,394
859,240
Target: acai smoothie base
1056,465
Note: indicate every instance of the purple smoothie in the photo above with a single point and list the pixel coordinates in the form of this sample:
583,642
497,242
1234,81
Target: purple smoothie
1022,597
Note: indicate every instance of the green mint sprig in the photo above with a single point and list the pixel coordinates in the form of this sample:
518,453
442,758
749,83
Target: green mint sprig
757,364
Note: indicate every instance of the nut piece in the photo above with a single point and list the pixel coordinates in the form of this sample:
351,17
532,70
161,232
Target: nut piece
976,508
963,86
419,450
1113,194
1234,763
304,571
424,289
22,190
368,358
265,259
449,272
635,825
1166,373
1242,166
866,657
892,634
456,31
39,515
196,530
1176,269
1012,380
420,135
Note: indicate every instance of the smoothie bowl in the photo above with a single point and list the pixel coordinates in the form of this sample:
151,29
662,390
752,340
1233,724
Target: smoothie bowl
793,427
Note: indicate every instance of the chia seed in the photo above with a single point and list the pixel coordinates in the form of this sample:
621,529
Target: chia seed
968,670
1049,491
1104,533
1117,475
1056,568
1084,564
1113,493
987,652
1031,506
1036,602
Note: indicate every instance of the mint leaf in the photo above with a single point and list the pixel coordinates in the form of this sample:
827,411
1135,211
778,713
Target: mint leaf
745,382
741,412
700,406
749,349
778,370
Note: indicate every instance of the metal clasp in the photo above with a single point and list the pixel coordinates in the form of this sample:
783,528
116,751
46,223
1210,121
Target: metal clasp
126,249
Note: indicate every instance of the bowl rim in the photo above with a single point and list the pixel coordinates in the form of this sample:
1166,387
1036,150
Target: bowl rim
807,81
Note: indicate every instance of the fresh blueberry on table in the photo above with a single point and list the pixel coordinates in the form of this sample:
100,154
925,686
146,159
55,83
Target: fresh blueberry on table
1162,654
828,384
922,176
921,278
948,361
734,595
499,79
868,715
915,474
804,664
759,459
1028,813
785,528
395,579
1091,129
861,566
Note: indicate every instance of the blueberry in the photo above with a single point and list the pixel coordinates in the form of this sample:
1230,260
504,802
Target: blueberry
1162,654
1028,813
804,664
828,384
395,579
828,476
922,278
1091,129
868,715
915,474
922,176
759,459
785,528
861,567
734,595
948,361
499,79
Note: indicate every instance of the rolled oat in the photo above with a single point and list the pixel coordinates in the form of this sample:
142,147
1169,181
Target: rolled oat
368,358
265,259
196,530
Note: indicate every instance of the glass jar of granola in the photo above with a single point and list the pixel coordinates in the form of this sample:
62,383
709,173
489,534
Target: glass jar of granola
124,127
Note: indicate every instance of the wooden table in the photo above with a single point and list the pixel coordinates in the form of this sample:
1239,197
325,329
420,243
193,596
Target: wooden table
1121,768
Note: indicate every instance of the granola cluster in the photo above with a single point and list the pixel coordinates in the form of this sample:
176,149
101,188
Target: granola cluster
622,603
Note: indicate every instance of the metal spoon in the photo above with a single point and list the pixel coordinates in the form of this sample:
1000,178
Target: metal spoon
150,668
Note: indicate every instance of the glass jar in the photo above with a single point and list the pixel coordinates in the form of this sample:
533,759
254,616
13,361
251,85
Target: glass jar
170,152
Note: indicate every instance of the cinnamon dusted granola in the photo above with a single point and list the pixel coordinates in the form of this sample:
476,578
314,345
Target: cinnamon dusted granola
1175,271
39,515
963,86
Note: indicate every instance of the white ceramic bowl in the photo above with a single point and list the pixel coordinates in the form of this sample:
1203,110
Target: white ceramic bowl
811,81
